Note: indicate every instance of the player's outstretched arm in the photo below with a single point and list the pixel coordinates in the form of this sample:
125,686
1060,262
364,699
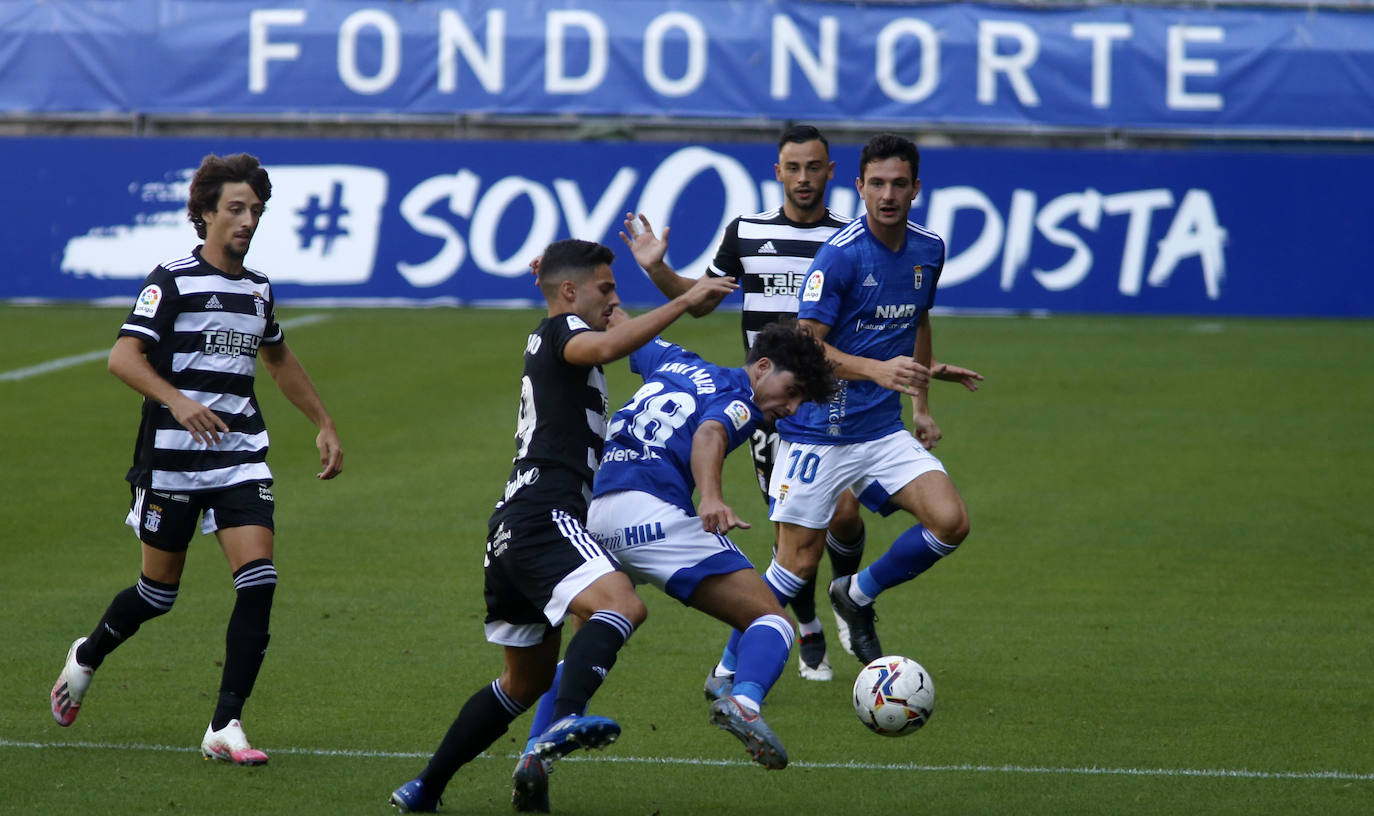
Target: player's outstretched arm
129,365
902,374
649,251
295,384
623,337
949,372
709,445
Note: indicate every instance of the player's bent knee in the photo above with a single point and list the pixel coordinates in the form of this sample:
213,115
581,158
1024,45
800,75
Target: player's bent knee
951,530
633,609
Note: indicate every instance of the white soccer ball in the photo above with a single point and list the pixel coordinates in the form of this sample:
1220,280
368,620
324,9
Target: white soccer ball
894,696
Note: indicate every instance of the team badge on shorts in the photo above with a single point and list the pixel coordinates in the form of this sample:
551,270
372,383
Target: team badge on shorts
153,518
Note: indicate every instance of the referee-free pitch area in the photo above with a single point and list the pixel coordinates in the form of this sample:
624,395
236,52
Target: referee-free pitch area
1164,605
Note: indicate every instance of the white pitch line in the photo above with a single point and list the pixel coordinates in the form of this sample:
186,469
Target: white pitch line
1223,773
100,354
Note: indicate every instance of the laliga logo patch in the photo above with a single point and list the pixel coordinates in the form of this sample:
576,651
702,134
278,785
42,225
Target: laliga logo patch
814,283
148,300
738,413
577,324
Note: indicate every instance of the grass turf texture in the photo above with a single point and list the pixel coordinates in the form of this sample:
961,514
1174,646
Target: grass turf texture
1168,579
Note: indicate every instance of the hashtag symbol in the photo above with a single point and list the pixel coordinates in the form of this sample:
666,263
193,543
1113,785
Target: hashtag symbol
322,222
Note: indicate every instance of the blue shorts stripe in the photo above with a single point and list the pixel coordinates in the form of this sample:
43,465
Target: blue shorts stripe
684,581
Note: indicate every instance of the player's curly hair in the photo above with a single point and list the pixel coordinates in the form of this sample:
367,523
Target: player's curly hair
891,146
210,179
794,349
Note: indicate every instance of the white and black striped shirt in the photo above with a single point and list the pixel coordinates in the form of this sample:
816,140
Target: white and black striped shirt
768,255
202,329
561,429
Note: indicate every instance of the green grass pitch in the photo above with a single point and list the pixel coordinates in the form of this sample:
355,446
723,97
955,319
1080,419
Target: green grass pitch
1166,604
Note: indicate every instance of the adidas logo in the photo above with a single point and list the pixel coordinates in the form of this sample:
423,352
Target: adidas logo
768,248
870,280
213,303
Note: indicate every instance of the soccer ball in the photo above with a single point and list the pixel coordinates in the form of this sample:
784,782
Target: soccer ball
894,696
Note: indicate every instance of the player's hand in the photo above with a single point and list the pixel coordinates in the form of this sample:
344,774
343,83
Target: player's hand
953,373
618,316
902,374
534,268
648,249
926,431
204,425
719,517
331,453
709,289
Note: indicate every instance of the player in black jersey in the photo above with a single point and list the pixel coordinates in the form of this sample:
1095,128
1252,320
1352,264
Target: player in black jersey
541,564
190,346
770,253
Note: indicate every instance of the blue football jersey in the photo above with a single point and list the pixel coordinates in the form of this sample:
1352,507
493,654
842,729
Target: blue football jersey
872,299
649,441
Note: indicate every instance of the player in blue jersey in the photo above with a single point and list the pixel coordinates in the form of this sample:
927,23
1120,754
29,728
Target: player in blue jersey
868,295
769,253
672,438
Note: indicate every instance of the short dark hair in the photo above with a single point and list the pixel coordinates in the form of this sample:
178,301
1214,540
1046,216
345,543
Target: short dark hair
801,134
209,181
571,259
891,146
794,349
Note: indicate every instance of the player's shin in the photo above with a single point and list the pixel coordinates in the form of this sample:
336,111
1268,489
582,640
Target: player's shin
483,719
543,710
245,641
129,610
914,552
845,556
590,655
763,650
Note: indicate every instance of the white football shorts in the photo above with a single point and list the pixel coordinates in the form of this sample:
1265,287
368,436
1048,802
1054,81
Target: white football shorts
658,543
808,479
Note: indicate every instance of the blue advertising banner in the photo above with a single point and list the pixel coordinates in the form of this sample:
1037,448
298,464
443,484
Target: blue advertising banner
1243,70
1158,232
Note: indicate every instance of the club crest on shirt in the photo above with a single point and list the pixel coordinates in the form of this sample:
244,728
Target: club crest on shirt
814,283
259,305
917,270
148,300
738,413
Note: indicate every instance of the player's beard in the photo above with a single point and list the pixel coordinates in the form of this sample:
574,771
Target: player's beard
233,251
808,209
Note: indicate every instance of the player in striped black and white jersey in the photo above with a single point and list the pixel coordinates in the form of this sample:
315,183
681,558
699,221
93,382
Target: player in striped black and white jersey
769,254
190,346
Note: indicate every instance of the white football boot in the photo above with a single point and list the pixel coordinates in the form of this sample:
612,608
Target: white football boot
230,745
70,688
